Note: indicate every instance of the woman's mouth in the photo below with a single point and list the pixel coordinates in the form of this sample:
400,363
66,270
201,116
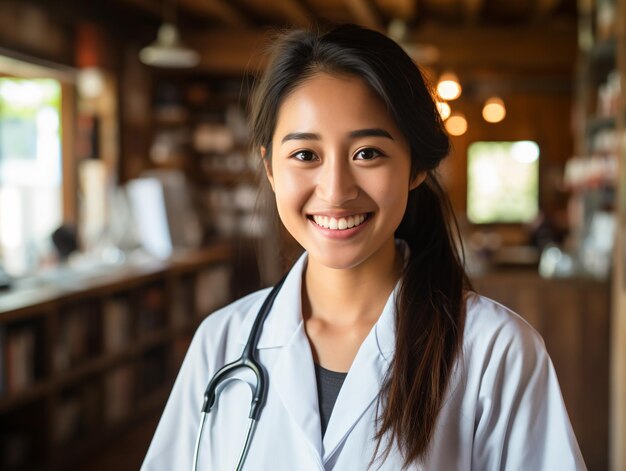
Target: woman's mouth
339,223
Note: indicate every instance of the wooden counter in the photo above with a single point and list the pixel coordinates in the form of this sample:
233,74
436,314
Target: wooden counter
82,357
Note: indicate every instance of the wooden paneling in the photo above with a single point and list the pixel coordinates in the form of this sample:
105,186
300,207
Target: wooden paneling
541,117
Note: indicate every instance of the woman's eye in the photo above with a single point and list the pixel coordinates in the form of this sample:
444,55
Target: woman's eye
304,156
367,154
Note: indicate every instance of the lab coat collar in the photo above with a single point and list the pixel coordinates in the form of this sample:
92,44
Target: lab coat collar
286,314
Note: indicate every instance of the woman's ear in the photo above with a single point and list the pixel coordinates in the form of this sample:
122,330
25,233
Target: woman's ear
268,167
417,180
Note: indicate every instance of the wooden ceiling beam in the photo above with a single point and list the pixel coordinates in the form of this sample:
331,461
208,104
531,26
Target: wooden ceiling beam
365,14
538,49
473,8
145,5
398,9
542,47
544,7
221,10
295,13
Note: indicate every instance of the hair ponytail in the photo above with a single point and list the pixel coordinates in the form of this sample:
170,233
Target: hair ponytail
429,323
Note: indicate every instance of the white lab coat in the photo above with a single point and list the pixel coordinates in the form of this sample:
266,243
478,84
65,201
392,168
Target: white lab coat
503,409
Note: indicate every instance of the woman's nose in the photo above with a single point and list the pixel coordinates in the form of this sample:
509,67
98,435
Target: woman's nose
336,184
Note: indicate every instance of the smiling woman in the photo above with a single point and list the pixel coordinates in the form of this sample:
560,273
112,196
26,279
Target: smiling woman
373,352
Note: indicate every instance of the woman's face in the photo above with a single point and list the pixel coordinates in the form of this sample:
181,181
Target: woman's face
340,170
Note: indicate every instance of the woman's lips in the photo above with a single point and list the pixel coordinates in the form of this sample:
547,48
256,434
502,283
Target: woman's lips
340,227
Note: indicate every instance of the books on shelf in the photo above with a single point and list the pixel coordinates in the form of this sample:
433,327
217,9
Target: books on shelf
151,309
182,308
18,348
212,289
77,337
116,323
76,412
118,394
152,371
3,368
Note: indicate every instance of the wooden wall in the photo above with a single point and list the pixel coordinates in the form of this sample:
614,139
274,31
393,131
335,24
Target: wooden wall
543,117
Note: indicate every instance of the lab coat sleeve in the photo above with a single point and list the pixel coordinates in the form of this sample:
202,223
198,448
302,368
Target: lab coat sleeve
520,420
173,442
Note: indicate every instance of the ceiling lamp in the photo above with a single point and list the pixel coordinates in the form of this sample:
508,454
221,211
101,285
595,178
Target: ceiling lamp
494,110
456,124
168,50
448,86
444,110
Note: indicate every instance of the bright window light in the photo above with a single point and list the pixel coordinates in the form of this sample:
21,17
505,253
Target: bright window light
30,170
502,182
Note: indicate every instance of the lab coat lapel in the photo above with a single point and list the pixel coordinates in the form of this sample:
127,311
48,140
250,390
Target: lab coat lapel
364,381
292,375
293,378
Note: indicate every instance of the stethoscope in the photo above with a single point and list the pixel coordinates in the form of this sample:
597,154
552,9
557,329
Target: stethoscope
248,359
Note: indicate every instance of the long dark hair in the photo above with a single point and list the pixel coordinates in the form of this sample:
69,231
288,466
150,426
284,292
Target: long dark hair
430,312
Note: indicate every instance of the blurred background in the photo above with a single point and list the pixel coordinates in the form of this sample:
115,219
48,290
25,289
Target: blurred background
129,207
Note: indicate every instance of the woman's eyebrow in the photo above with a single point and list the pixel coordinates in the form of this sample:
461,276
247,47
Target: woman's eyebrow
373,132
300,136
309,136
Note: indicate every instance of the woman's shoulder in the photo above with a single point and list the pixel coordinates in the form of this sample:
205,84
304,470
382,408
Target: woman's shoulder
489,325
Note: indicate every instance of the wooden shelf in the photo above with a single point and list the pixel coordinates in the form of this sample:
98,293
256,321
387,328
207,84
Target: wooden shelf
68,455
145,298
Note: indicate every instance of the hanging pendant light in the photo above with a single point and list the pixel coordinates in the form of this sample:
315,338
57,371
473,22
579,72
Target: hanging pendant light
456,124
494,110
448,86
168,50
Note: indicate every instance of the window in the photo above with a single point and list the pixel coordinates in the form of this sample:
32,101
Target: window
30,170
502,182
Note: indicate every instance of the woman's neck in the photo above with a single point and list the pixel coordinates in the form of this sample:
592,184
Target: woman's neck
344,297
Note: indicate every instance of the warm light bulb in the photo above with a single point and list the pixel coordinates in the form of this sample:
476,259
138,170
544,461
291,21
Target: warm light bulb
448,86
494,110
456,124
444,110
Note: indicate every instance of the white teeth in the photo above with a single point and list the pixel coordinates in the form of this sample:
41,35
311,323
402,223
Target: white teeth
339,223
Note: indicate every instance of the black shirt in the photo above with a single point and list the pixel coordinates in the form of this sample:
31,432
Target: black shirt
328,385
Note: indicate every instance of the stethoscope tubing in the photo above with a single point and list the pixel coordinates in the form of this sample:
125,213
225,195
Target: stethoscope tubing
249,360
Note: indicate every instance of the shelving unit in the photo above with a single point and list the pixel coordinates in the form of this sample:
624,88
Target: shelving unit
199,127
591,176
601,178
618,320
80,364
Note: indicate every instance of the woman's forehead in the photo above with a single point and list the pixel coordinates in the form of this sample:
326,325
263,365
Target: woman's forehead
332,102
